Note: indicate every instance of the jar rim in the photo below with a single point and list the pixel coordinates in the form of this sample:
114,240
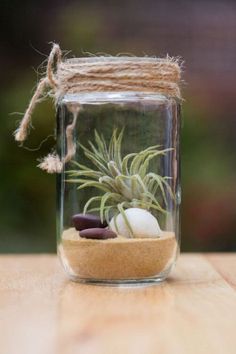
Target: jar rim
104,97
115,59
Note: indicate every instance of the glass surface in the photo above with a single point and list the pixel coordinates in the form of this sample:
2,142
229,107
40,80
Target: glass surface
119,196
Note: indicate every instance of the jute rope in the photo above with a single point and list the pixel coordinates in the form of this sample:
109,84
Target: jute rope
93,74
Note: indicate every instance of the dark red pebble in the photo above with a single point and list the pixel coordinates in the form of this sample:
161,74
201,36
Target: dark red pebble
98,234
87,221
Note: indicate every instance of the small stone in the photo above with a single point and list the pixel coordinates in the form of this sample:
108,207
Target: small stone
97,233
87,221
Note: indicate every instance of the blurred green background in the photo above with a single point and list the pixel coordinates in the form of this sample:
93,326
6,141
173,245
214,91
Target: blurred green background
203,33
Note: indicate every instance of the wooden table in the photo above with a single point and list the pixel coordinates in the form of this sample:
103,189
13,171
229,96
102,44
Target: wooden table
41,312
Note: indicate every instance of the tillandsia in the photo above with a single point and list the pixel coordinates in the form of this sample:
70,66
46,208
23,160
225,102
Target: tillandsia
125,182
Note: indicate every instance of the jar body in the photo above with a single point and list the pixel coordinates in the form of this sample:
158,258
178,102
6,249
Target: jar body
119,195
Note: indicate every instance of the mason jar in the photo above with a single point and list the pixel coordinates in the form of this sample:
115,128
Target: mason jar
117,164
118,197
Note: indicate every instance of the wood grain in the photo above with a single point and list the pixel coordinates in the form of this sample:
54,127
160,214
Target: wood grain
42,312
225,264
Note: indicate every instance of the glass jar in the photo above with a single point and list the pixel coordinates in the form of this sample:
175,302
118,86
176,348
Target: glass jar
119,196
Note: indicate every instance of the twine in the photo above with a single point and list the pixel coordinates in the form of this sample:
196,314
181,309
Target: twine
98,74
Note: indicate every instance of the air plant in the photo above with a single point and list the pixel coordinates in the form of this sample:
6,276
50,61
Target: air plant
125,182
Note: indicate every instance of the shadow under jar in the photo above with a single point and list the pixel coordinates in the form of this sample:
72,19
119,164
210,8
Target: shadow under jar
119,196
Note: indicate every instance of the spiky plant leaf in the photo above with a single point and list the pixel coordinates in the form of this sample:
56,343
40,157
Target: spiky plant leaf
121,210
90,201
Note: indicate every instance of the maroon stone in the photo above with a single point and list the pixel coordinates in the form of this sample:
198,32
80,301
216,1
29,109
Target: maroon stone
98,233
87,221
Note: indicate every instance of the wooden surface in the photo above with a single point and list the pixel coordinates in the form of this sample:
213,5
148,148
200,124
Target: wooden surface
41,312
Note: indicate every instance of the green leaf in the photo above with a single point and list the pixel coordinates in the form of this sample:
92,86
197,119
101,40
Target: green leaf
108,182
94,185
97,153
151,156
90,201
152,189
91,174
93,158
112,145
141,183
117,148
115,223
121,210
112,166
101,144
124,165
154,202
168,187
123,184
113,196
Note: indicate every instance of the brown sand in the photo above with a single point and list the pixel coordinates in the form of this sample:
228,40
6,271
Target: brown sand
118,258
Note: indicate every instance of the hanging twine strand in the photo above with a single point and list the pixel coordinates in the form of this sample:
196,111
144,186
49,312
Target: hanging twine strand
22,132
49,81
98,74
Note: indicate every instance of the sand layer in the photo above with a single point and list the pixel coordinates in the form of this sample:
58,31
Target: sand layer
116,259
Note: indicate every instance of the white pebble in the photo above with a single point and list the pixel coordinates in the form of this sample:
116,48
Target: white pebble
142,222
